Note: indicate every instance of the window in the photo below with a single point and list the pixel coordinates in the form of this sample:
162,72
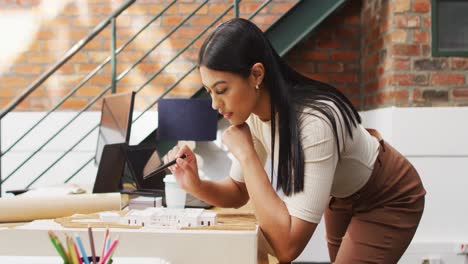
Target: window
450,28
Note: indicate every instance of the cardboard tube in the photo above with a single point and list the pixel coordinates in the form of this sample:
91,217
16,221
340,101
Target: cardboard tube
27,208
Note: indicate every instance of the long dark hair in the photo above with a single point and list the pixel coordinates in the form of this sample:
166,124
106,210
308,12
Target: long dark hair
235,46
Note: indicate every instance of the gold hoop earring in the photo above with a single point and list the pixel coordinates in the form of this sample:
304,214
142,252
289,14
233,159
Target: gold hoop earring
257,87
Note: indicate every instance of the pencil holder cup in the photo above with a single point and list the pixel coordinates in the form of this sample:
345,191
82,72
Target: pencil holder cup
90,259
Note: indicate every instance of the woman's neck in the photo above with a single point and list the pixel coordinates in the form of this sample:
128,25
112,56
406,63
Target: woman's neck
263,107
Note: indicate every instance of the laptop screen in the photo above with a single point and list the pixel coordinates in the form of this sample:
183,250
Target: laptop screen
142,160
110,170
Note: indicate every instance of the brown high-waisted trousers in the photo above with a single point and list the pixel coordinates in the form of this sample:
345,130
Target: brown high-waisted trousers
378,222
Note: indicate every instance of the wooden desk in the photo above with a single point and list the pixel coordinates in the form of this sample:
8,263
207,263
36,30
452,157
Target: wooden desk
240,242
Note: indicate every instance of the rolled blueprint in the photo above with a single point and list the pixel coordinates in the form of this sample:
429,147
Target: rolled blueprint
26,208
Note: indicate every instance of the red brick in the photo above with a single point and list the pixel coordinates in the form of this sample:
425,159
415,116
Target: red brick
408,79
344,56
316,55
407,21
330,67
426,50
201,20
85,68
344,77
189,8
354,67
377,45
427,22
266,20
101,9
157,8
392,97
45,34
280,8
420,36
401,64
347,32
460,93
400,5
304,68
383,82
459,63
406,49
67,68
28,69
171,20
430,96
421,6
401,95
328,44
248,8
352,20
371,61
7,92
399,36
371,87
217,8
187,32
447,79
75,103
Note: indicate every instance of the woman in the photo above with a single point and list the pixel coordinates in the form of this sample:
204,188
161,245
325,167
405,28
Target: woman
325,162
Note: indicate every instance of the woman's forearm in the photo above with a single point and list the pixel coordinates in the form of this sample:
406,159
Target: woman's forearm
270,211
223,193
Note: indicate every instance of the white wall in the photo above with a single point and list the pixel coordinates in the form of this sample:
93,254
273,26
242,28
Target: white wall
434,139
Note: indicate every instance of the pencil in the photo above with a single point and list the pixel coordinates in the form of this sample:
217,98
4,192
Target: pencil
163,167
58,246
59,243
106,234
82,249
71,250
110,251
91,242
78,256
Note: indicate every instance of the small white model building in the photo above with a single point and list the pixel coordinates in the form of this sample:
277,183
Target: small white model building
169,218
144,202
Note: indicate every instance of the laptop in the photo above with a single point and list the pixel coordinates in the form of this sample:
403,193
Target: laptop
110,170
122,168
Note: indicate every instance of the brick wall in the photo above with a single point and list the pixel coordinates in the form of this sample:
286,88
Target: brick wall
377,52
44,30
397,66
332,52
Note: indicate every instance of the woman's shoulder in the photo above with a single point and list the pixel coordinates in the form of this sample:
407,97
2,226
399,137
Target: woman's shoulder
311,115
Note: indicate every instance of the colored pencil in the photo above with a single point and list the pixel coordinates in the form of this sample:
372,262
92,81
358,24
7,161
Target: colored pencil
110,251
82,249
91,242
106,234
58,246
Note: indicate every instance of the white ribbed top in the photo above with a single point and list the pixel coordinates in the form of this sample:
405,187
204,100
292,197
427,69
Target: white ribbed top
324,173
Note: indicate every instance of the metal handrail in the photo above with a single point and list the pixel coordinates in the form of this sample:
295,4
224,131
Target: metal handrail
77,47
